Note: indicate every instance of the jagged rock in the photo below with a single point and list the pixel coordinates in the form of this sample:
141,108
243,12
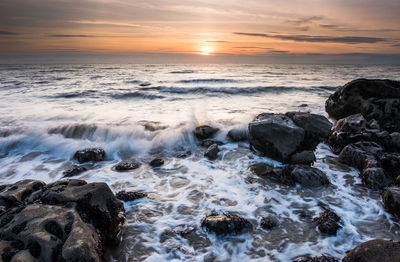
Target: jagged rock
327,222
157,162
275,135
374,251
391,200
204,132
268,222
316,127
127,165
130,196
222,224
306,157
212,152
374,99
264,170
238,135
316,259
74,171
367,157
354,129
68,220
90,154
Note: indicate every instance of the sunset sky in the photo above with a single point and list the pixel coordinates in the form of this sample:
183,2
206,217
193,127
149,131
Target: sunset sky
202,27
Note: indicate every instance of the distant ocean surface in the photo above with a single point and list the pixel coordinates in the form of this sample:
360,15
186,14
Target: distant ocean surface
47,112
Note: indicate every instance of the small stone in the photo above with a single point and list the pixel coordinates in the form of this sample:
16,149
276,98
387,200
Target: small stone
127,165
204,132
90,154
129,196
157,162
222,224
328,222
268,222
212,152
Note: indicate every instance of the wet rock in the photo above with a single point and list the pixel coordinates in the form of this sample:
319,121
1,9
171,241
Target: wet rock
304,175
222,224
316,127
275,135
127,165
238,135
391,200
366,156
291,175
316,259
196,238
264,170
204,132
395,137
157,162
74,171
90,154
68,220
184,154
15,194
268,222
212,152
208,142
327,222
374,99
354,129
129,196
373,251
306,157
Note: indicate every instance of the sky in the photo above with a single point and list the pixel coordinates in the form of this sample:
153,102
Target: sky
208,30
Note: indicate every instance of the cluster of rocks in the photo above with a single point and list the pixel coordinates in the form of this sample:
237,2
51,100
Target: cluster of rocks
69,220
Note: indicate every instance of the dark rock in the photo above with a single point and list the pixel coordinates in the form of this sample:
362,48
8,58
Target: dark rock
238,135
391,200
64,221
304,175
184,154
395,137
306,157
266,171
374,99
316,127
74,171
366,156
212,152
90,154
327,222
208,142
130,196
374,251
316,259
127,165
268,222
354,129
222,224
204,132
157,162
275,135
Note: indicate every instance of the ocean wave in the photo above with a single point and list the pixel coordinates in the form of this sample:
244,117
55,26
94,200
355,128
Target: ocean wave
183,72
240,90
74,94
207,80
136,95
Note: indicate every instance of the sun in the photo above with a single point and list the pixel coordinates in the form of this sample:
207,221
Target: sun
206,50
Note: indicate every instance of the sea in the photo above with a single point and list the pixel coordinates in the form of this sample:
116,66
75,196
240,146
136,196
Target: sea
47,112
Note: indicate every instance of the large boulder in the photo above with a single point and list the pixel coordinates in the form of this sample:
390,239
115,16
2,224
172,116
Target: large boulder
69,220
222,224
316,127
275,135
374,251
391,200
374,99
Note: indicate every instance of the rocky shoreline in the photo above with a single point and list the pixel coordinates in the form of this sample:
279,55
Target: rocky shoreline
72,220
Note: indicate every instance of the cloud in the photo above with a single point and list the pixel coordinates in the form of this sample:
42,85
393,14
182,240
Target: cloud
304,20
253,47
218,41
7,33
64,35
275,52
104,23
303,28
328,26
319,39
